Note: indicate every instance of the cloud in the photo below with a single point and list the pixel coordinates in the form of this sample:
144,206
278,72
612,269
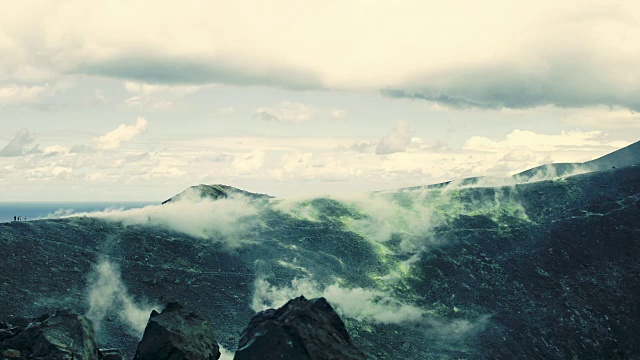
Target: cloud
151,89
49,172
524,139
577,79
286,111
266,116
21,94
19,144
123,133
337,113
183,70
395,141
143,101
604,117
225,111
249,162
107,294
82,149
468,54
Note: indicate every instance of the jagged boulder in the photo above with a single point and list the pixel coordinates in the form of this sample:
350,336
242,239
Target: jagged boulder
112,354
301,329
65,335
176,334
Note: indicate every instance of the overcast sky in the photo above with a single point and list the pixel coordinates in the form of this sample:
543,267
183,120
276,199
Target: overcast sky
137,100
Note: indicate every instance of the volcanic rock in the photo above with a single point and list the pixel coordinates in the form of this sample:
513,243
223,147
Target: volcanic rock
176,334
301,329
214,192
65,335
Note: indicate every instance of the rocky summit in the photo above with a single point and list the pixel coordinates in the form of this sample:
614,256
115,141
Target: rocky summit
177,335
542,266
301,329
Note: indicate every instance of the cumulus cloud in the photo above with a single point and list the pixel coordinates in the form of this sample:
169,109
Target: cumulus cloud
123,133
107,294
395,141
82,149
521,139
21,94
266,116
49,172
604,117
19,144
286,111
150,89
142,101
249,162
337,113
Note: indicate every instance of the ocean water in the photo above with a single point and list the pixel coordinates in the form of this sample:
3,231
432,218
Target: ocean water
39,210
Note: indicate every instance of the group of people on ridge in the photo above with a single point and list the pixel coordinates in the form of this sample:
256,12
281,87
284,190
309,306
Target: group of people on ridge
19,218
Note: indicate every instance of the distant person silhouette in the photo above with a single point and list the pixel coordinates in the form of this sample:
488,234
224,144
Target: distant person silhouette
18,218
14,218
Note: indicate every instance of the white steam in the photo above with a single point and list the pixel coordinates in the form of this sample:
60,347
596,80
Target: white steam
385,216
224,219
226,354
107,294
356,303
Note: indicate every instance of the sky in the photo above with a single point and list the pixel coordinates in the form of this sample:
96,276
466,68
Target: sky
138,100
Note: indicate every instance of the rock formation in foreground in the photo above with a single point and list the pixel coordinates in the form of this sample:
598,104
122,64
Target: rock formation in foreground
65,335
176,334
301,329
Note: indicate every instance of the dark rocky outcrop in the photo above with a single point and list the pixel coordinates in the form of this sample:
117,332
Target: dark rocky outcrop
301,329
214,192
176,334
65,335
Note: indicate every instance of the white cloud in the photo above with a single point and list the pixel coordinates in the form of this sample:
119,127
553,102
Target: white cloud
577,55
21,94
286,111
123,133
55,150
249,162
574,140
396,140
150,89
225,111
49,172
143,101
337,113
604,117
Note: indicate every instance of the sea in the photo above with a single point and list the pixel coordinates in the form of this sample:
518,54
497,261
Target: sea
47,210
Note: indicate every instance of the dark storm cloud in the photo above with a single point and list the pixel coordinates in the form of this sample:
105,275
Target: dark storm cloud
159,70
563,82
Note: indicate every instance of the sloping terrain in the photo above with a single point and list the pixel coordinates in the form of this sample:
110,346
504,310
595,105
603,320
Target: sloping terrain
546,269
